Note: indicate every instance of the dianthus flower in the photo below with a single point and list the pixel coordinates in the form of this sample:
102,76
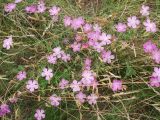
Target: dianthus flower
80,97
47,73
9,7
75,85
8,43
150,26
116,85
21,75
54,100
63,83
149,47
121,27
40,114
144,10
32,85
107,56
133,22
92,99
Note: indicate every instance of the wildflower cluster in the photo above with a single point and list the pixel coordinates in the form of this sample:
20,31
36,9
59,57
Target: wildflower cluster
88,37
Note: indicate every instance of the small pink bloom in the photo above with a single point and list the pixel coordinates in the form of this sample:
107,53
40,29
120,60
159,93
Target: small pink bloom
121,27
87,28
40,114
9,7
107,56
76,47
63,83
52,59
54,100
41,7
133,22
54,11
66,57
87,77
57,52
67,21
80,97
92,99
93,36
4,109
149,47
156,56
116,85
77,23
75,85
156,73
32,85
8,43
31,9
47,73
105,39
144,10
150,26
21,75
154,82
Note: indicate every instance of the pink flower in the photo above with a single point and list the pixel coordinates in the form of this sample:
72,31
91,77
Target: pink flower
47,73
133,22
8,43
54,100
4,109
63,83
121,27
78,38
116,85
156,73
76,47
149,47
57,52
105,39
154,82
87,28
75,85
67,21
93,36
9,7
54,11
92,99
52,59
150,26
144,10
40,114
87,77
32,85
31,9
18,1
80,97
21,75
107,56
41,7
156,56
66,57
77,23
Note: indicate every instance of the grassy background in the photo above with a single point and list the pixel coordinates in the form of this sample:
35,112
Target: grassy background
35,36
